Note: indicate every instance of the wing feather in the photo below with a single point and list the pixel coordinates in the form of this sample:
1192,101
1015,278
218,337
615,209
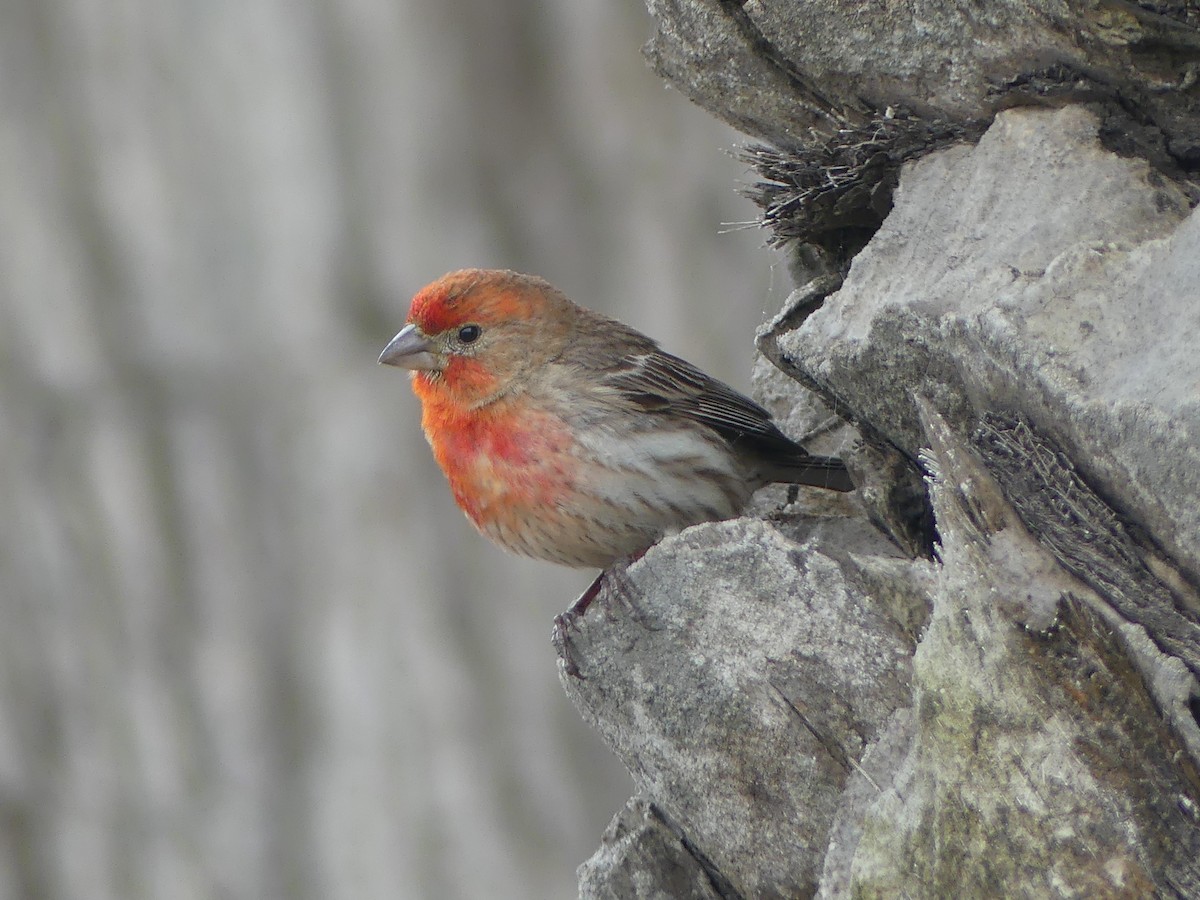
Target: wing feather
661,382
629,370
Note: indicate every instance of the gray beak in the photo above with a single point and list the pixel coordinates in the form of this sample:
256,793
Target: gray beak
409,350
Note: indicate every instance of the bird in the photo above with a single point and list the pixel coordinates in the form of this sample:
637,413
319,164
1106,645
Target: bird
569,436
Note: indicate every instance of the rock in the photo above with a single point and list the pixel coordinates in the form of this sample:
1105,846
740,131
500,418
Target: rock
844,93
794,74
739,674
642,856
1035,272
1036,762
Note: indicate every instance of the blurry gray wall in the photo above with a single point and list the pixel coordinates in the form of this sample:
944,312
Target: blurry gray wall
248,646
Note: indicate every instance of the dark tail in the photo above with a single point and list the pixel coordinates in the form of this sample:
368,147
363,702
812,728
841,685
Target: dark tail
816,471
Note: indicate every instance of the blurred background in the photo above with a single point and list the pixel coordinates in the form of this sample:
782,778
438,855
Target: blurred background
248,646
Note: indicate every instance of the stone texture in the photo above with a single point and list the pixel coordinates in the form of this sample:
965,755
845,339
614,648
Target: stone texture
792,73
739,673
641,856
845,92
1035,272
1034,738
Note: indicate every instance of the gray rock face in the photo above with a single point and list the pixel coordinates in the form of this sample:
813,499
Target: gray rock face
1036,763
1035,272
845,92
785,72
815,712
739,675
642,856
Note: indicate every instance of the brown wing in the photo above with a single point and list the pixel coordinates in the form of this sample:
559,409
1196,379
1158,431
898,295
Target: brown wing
655,381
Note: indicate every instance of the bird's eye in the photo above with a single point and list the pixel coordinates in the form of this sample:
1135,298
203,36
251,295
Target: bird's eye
469,334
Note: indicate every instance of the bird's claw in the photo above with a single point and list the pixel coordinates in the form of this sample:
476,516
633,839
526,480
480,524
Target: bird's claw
563,623
611,584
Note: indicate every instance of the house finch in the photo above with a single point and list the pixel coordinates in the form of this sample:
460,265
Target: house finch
570,437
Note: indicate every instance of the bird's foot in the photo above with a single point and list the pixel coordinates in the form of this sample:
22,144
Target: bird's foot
563,622
612,583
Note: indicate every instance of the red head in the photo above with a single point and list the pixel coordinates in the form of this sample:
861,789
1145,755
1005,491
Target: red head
476,333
